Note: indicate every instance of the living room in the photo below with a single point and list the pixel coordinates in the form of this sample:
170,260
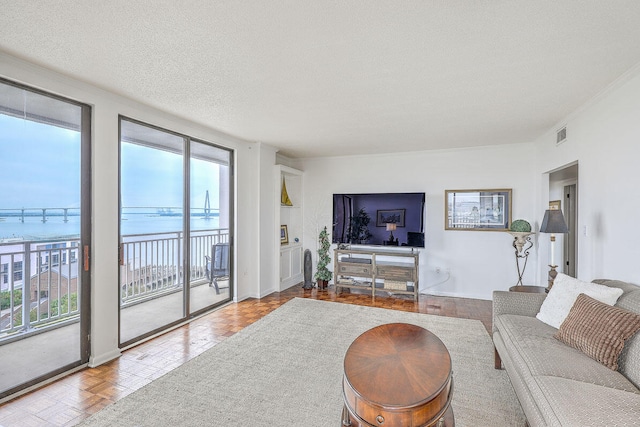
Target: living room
602,134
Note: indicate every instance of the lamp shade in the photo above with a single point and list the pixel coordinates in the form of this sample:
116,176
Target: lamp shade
553,222
391,226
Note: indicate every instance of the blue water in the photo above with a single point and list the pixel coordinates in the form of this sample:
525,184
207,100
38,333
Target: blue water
34,228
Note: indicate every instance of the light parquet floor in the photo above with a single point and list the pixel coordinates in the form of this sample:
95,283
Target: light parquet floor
71,399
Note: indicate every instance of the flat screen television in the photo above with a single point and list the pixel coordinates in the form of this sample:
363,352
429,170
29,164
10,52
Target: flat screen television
384,219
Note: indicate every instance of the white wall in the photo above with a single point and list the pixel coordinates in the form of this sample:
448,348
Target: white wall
268,258
247,226
104,251
478,261
604,138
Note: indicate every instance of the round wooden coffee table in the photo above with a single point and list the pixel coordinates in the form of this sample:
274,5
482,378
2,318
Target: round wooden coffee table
397,375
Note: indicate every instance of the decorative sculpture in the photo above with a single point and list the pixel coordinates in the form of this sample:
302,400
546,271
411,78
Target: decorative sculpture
521,243
284,196
308,267
521,232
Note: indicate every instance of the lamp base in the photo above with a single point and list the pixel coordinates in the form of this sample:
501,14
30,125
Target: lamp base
552,276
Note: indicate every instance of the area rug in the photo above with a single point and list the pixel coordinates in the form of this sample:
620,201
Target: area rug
286,369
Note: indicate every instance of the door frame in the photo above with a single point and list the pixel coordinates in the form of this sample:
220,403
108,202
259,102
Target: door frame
84,273
186,229
560,179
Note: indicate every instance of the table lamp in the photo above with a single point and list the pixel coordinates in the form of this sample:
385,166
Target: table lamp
391,226
553,223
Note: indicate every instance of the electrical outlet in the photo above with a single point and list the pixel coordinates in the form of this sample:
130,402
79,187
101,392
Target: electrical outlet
438,270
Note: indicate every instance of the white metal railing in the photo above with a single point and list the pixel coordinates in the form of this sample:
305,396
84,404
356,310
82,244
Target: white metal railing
40,283
151,264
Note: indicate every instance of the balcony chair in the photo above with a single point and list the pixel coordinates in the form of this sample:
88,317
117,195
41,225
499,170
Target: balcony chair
217,265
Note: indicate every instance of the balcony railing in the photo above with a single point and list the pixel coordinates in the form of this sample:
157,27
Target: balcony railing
40,284
151,264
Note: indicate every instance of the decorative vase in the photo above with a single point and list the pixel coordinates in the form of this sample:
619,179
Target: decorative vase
520,239
322,284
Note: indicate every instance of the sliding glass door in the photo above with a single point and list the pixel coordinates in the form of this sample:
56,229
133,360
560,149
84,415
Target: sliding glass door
44,235
210,196
175,253
151,229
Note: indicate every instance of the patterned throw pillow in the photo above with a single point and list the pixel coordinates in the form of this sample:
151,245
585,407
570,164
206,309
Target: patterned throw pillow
598,330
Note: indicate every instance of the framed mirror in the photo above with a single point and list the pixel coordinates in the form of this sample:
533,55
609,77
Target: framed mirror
477,210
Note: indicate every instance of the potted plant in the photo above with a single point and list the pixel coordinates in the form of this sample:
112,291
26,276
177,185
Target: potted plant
323,275
359,227
520,230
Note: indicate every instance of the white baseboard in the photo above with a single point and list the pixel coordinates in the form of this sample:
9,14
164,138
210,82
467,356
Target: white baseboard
104,358
455,294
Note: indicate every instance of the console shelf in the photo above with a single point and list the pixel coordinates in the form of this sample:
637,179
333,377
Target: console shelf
390,271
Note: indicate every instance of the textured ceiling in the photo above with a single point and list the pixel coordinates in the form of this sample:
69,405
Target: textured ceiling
318,78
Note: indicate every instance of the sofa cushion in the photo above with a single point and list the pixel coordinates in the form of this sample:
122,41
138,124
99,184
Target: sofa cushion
625,286
535,351
563,294
598,330
575,403
629,360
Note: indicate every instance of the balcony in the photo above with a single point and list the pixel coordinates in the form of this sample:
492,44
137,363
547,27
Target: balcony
150,295
151,269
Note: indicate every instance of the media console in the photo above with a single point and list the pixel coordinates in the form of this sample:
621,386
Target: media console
390,271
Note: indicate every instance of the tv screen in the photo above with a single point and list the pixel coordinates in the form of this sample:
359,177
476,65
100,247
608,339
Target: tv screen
385,219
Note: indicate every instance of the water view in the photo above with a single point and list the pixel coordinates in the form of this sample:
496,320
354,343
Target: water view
12,227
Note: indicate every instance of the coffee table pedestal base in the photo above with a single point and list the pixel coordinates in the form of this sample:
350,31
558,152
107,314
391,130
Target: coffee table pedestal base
351,420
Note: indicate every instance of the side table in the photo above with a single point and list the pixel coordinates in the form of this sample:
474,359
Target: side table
528,289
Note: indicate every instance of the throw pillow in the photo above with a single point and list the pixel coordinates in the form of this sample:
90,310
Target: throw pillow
598,330
563,294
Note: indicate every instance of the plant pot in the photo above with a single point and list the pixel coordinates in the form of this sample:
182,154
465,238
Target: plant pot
322,284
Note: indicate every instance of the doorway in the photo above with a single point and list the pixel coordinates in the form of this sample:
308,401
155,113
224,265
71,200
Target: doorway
563,187
571,215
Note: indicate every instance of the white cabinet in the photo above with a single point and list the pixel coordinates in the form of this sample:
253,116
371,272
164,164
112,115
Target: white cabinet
290,266
291,249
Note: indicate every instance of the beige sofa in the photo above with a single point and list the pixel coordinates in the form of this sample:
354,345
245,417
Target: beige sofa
556,384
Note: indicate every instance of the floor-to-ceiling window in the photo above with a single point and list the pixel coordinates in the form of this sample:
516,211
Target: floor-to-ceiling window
45,184
175,222
209,225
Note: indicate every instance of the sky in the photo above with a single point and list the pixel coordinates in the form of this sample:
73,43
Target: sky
152,177
40,167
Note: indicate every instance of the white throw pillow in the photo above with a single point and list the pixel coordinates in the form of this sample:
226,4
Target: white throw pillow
564,293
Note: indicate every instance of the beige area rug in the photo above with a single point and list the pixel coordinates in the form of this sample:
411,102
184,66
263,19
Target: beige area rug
286,369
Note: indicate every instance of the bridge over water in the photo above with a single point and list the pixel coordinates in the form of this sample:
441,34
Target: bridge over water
43,213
